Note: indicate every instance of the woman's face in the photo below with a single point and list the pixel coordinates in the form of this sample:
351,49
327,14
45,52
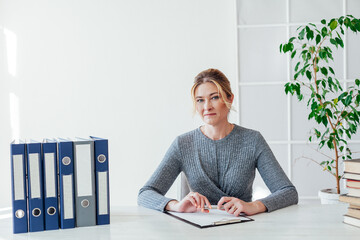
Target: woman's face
209,104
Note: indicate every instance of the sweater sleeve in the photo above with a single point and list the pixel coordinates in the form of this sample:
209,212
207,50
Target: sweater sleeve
151,195
283,192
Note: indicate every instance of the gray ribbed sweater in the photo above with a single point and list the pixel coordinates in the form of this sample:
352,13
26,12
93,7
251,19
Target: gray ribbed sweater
217,168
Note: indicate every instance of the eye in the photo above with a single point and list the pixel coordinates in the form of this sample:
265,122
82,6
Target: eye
215,97
199,100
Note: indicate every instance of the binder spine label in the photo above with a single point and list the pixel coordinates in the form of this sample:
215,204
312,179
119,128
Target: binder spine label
83,170
68,196
18,177
50,174
103,193
34,175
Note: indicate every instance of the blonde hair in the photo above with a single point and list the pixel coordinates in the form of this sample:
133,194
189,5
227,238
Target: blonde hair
216,77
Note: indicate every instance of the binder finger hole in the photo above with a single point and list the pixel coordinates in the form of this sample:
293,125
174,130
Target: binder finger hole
101,158
51,210
85,203
36,212
19,213
66,160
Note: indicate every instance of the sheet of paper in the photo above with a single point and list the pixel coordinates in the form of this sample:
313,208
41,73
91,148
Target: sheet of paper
214,216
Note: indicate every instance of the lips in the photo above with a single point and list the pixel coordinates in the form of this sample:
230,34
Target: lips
209,114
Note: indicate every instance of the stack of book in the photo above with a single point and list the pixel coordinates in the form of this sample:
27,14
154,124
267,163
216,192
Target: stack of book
352,177
59,183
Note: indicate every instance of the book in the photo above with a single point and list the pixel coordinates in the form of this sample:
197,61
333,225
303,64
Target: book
352,166
352,183
352,176
354,206
351,221
354,192
349,199
353,212
214,217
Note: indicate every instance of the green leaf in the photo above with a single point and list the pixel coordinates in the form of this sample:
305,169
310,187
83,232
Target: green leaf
290,47
331,146
357,82
312,49
291,39
357,100
318,39
324,121
329,113
308,74
324,71
340,42
323,21
281,47
348,100
296,75
334,42
342,31
341,148
331,70
329,166
310,34
301,34
333,24
297,66
323,32
310,139
293,54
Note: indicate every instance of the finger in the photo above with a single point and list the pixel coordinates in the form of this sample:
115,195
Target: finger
192,200
197,199
208,203
205,210
222,201
202,201
227,206
237,212
232,209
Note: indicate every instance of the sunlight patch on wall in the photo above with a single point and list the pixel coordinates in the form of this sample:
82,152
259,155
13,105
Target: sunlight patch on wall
11,51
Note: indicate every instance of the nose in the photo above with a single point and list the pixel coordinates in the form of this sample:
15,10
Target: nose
207,105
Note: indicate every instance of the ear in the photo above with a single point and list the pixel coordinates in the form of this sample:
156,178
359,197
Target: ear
231,99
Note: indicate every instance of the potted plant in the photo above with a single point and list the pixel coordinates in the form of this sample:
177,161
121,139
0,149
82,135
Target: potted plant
335,109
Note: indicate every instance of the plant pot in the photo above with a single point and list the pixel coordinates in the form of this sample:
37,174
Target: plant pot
329,196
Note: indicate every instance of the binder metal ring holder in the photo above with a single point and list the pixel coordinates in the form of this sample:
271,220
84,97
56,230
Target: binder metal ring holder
101,158
66,160
19,213
51,211
36,212
85,203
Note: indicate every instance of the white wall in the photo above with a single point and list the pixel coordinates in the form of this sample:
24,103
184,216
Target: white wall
115,69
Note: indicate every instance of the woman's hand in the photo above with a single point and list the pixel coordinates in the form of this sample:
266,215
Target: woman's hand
236,206
191,203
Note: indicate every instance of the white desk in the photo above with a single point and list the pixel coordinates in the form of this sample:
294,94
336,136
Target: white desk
303,221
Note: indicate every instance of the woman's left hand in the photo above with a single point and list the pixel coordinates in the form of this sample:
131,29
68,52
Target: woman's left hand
236,206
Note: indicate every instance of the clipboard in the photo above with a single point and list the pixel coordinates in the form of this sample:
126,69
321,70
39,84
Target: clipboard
214,218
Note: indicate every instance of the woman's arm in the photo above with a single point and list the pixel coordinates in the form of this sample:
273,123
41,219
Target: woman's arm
283,192
151,195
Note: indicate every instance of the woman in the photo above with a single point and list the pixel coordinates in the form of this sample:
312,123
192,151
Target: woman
219,160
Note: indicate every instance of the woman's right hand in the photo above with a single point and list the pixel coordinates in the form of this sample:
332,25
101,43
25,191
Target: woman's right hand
191,203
